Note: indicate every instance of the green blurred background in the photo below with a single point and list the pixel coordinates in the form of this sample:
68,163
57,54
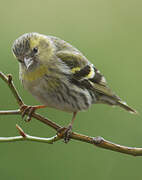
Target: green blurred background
109,33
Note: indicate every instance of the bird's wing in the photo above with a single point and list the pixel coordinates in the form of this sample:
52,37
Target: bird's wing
91,78
96,79
84,73
73,59
86,76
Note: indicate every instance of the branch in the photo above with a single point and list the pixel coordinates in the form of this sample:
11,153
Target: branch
8,80
26,137
97,141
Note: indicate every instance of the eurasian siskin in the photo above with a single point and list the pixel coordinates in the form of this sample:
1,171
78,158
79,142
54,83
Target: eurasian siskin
60,76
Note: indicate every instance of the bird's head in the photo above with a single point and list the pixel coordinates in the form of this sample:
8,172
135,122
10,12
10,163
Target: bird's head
32,48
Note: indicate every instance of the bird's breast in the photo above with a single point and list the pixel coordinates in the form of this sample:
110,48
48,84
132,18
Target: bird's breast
58,93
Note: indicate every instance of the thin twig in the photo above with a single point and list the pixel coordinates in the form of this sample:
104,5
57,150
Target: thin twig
10,112
35,115
8,80
97,141
26,137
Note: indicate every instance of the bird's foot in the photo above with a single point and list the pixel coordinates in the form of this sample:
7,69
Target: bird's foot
65,132
29,110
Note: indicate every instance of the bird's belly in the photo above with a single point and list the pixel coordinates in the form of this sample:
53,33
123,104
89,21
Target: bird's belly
67,98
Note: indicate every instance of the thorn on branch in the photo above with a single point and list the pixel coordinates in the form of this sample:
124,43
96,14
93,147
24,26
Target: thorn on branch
21,132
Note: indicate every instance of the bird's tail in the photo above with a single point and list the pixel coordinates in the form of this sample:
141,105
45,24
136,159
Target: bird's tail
116,101
106,96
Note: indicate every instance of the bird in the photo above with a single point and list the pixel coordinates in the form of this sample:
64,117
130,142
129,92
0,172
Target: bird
59,76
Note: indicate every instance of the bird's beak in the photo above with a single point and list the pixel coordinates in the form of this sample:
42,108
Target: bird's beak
28,62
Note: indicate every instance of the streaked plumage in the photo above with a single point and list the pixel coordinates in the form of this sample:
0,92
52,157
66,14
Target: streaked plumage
60,76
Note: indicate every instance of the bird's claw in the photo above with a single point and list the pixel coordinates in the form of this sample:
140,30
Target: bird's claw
29,110
65,132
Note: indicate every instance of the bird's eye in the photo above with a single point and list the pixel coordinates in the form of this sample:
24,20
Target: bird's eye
35,50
